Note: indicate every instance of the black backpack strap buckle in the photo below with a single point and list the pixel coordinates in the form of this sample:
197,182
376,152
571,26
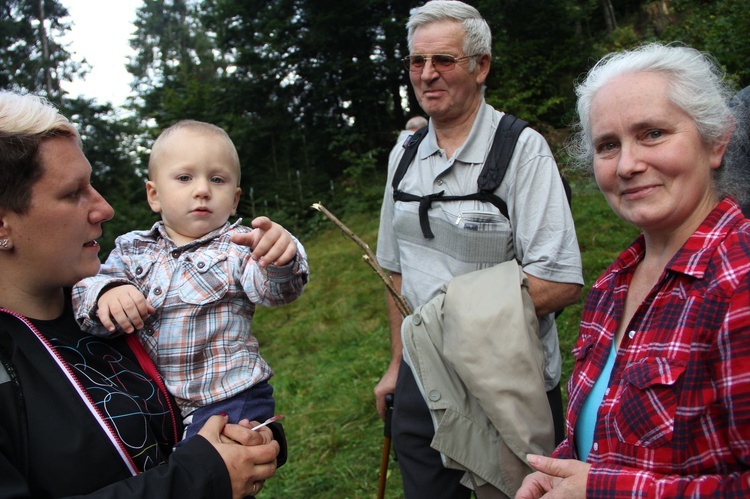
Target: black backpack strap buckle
425,203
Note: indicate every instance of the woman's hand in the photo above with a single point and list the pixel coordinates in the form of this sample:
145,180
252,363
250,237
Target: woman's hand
250,456
555,479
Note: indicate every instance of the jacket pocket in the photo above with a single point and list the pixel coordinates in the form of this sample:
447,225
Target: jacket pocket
205,278
648,402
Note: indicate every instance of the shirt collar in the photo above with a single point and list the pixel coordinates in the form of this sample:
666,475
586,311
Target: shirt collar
695,255
159,230
475,148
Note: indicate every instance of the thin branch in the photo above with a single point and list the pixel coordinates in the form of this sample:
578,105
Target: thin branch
368,257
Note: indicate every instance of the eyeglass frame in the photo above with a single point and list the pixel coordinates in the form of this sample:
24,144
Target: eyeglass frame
407,61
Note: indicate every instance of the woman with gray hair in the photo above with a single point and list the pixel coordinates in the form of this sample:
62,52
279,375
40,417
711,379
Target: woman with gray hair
659,398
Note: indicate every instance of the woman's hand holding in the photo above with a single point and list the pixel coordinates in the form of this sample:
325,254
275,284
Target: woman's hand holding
250,456
555,479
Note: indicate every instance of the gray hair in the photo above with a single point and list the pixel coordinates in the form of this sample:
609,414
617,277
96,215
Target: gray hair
696,85
198,127
416,122
478,39
26,120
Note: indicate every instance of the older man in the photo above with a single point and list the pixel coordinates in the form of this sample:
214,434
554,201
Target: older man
450,53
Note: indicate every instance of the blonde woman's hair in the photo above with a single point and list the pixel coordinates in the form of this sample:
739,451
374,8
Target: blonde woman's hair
26,120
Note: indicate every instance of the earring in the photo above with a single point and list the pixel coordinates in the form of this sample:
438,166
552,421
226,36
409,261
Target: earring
4,243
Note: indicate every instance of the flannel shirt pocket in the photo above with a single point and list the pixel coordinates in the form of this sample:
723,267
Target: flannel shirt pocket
140,268
205,278
648,402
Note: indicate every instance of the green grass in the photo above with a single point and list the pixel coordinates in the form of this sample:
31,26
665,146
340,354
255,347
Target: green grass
330,347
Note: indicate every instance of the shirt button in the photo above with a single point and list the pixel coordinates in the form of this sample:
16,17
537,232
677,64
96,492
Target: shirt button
157,291
138,270
631,334
606,392
596,446
175,254
416,319
434,395
201,265
149,331
440,182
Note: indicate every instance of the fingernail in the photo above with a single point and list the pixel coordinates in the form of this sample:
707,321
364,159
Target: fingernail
532,458
223,414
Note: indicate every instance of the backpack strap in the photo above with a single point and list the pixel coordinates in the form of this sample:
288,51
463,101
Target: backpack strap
498,159
491,176
410,151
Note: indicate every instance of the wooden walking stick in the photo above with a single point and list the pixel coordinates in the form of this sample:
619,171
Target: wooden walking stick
403,307
368,257
386,445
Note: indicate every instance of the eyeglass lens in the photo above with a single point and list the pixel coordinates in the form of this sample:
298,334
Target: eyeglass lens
440,61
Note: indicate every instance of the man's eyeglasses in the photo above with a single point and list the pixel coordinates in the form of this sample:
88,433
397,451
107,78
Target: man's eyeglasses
441,62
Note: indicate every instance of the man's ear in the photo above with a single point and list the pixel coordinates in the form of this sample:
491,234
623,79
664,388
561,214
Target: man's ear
152,195
483,68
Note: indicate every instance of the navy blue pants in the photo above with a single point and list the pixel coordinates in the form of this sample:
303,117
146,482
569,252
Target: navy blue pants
255,404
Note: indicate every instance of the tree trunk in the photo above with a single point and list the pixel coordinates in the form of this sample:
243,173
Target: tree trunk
45,51
609,15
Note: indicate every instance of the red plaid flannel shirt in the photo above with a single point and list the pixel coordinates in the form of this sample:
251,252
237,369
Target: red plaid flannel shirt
675,419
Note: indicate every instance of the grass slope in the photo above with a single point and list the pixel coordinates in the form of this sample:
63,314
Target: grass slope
330,347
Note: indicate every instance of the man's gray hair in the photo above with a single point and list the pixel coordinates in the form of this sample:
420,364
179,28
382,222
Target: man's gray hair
478,39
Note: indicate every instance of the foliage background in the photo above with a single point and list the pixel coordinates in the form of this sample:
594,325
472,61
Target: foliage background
312,91
313,95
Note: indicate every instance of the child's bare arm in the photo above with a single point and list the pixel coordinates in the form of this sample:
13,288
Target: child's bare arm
124,305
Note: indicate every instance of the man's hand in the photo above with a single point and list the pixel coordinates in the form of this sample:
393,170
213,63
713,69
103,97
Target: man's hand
386,385
126,306
271,243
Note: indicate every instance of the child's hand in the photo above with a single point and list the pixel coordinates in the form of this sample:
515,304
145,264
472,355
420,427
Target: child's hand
271,243
124,304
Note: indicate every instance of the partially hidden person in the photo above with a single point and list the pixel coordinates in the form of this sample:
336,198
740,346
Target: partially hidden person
412,125
740,143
